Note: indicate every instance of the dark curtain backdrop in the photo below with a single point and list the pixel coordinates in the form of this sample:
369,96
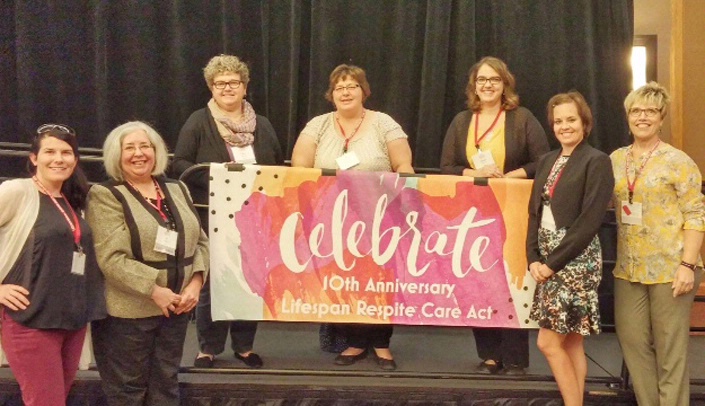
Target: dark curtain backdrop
96,64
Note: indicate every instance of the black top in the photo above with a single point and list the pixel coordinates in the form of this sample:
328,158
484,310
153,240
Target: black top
58,299
579,202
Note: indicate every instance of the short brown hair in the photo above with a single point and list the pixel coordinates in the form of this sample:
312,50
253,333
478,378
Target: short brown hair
510,99
580,104
354,72
222,64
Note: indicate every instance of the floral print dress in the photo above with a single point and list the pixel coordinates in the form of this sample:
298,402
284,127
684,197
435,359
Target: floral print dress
567,302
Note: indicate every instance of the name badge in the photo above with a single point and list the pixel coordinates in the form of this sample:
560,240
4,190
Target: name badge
347,160
631,213
482,159
78,265
547,220
166,241
244,155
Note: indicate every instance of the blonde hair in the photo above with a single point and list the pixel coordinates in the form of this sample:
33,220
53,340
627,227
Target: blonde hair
651,93
112,149
222,64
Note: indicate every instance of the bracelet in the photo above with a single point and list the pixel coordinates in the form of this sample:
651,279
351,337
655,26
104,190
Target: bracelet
687,265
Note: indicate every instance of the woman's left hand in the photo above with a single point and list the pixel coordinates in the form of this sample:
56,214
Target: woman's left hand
544,272
190,294
683,282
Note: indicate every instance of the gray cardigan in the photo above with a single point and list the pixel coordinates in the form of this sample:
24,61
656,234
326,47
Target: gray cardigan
125,228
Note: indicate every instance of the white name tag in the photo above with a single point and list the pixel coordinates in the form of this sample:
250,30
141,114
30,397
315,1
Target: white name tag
347,161
547,220
78,265
166,241
631,213
482,159
244,155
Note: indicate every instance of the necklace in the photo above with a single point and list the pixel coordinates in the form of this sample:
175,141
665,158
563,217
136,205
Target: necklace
347,139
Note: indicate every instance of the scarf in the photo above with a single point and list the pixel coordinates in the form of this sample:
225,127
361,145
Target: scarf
238,134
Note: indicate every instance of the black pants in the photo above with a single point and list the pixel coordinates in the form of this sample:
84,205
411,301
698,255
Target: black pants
213,334
509,346
368,335
139,359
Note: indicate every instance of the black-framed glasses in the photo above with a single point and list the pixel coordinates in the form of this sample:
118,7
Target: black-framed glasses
349,88
234,84
649,112
44,128
494,80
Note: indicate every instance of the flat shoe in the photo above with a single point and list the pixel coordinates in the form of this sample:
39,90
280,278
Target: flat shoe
485,368
252,360
513,370
203,362
349,359
386,364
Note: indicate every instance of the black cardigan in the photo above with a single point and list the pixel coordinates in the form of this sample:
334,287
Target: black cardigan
579,202
524,140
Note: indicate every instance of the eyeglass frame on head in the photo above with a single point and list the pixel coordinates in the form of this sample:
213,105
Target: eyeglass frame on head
349,88
233,84
48,127
494,80
648,112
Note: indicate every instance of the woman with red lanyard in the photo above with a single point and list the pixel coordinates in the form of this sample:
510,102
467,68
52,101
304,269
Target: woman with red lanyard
51,284
571,192
660,226
154,255
355,138
495,138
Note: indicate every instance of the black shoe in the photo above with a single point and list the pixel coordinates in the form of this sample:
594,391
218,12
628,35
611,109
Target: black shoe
349,359
252,360
513,370
203,362
485,368
386,364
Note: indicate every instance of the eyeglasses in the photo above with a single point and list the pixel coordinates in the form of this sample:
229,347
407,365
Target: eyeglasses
650,112
494,80
45,128
349,88
234,84
131,148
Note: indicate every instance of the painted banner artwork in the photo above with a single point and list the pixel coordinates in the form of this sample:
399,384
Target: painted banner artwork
294,244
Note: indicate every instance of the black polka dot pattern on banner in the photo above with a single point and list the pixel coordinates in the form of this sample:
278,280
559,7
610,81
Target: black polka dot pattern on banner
227,180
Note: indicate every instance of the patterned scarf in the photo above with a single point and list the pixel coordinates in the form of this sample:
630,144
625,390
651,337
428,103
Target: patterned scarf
240,133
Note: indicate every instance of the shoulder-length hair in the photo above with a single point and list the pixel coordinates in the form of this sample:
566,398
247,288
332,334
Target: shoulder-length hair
75,188
354,72
580,104
112,149
510,99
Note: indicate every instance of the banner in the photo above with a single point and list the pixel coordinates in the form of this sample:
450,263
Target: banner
293,244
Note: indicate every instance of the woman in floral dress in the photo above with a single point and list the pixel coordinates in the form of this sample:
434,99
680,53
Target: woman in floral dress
571,192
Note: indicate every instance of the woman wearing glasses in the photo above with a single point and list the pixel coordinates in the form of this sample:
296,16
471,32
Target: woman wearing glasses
495,138
154,256
661,220
355,138
227,130
51,284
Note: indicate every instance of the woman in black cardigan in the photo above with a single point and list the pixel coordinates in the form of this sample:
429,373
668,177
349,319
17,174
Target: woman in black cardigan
227,130
495,138
571,191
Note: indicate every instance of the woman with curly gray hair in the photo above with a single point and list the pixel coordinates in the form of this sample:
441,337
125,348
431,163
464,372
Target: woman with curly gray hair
226,130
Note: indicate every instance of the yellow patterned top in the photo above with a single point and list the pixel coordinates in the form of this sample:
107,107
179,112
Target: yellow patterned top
669,189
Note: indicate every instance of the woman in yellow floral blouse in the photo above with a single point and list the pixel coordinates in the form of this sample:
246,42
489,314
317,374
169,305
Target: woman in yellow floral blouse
661,220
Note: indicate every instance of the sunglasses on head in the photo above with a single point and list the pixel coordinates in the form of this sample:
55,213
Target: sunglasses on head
45,128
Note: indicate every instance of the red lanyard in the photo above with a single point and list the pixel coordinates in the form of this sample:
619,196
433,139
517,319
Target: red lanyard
75,225
158,206
630,158
347,139
552,186
489,130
